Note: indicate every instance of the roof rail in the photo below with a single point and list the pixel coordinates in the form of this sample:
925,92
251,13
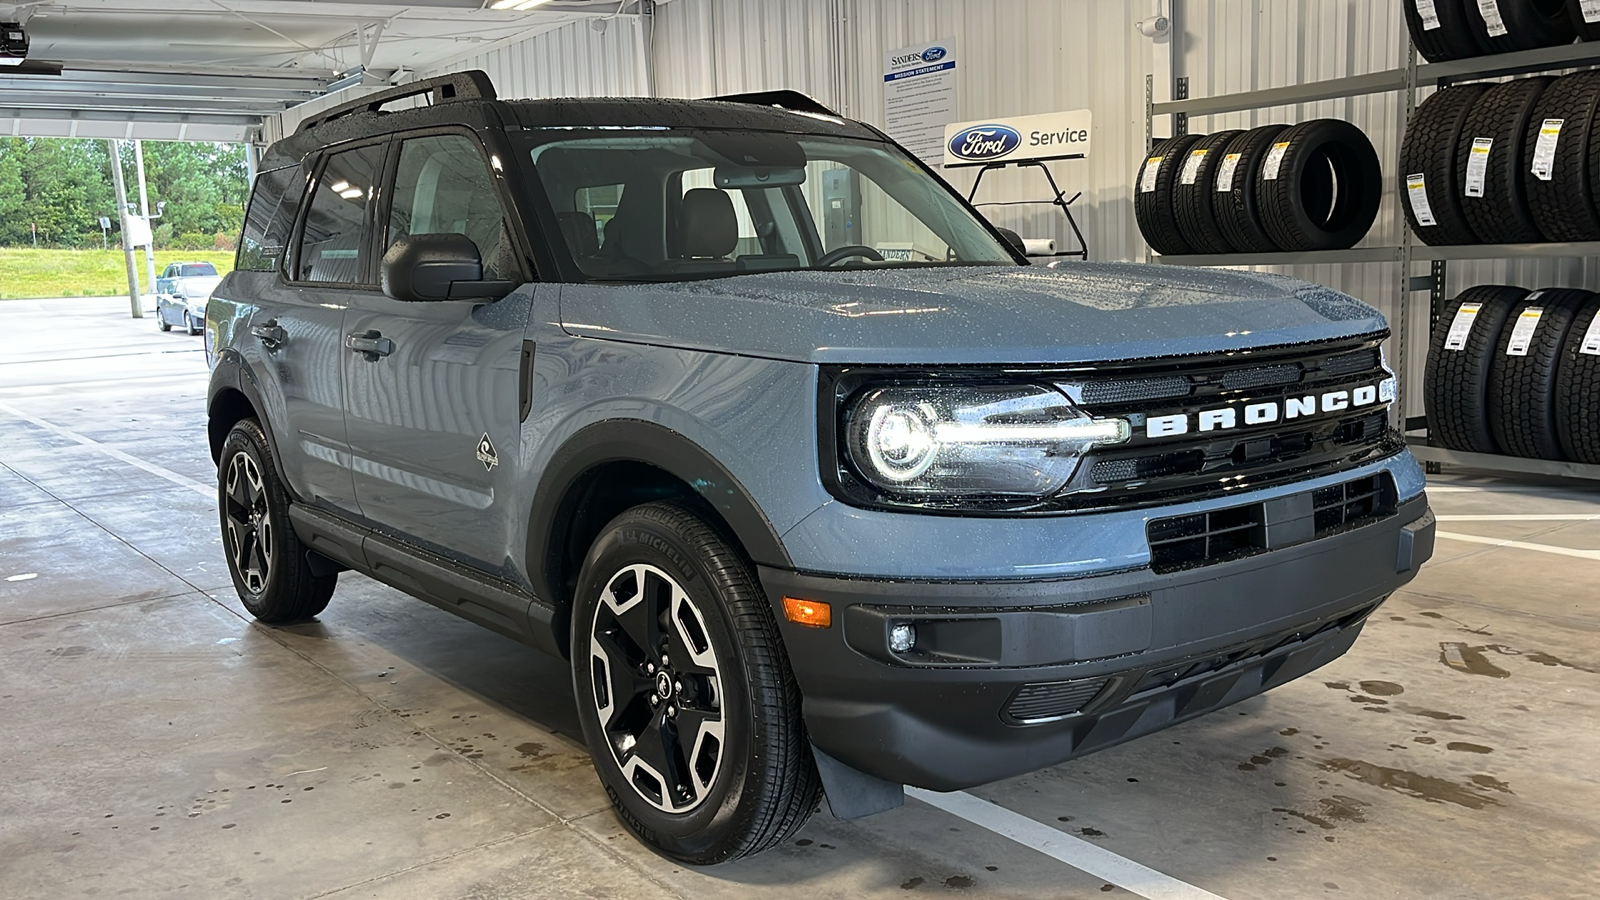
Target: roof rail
473,84
790,100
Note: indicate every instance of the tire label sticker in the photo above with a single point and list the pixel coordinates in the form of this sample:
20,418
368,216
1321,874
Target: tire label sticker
1544,149
1269,169
1191,166
1430,16
1461,326
1478,164
1225,171
1152,168
1589,8
1417,190
1490,10
1591,338
1522,334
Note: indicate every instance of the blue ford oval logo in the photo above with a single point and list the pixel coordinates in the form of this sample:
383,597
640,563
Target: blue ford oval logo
933,54
984,142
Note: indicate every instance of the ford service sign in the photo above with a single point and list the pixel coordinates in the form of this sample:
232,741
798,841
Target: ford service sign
1059,135
983,143
933,54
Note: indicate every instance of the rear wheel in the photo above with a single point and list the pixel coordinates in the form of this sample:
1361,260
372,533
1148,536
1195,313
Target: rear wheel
687,701
267,561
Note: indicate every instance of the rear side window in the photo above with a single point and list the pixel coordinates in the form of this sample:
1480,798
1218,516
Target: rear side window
442,186
267,222
334,238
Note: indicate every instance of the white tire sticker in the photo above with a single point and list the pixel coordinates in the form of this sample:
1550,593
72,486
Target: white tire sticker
1589,8
1591,338
1478,165
1191,166
1461,326
1152,168
1269,169
1522,334
1417,190
1490,9
1544,149
1229,164
1430,16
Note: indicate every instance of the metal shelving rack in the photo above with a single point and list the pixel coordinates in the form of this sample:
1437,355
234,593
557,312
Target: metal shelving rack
1409,251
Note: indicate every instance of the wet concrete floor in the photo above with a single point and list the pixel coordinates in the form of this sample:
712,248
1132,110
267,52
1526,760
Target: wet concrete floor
158,743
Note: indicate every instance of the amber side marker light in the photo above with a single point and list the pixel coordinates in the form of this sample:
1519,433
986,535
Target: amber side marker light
814,613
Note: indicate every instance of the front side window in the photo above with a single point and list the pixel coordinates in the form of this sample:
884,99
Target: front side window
443,186
654,206
333,242
267,221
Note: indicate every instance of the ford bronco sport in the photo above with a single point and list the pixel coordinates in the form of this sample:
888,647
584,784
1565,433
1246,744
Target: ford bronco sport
820,486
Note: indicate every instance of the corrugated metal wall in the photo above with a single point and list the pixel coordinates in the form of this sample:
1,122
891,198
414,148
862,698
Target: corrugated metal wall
603,58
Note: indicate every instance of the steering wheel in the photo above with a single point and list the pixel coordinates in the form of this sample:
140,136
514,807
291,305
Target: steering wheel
847,251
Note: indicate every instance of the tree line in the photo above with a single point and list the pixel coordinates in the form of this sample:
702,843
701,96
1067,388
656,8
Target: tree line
63,186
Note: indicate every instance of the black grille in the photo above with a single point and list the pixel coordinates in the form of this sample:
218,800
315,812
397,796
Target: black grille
1046,700
1266,376
1131,391
1203,539
1349,363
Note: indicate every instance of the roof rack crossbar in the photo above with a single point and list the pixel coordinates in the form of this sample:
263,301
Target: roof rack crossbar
790,100
470,85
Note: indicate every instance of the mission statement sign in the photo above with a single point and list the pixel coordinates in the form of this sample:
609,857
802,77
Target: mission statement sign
919,96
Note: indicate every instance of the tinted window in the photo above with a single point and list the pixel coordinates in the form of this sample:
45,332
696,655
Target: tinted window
333,242
196,269
268,221
443,187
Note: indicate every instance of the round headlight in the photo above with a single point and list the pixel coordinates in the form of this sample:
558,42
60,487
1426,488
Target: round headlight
899,441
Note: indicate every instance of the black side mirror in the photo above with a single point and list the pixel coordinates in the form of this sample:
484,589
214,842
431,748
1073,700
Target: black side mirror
430,267
1012,238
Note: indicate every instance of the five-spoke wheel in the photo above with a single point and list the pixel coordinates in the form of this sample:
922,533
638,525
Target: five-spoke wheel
246,524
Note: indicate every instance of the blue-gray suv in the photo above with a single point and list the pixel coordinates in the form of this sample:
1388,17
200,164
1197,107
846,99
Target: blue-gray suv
820,486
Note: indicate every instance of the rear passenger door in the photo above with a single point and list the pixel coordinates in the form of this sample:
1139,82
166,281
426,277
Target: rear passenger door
435,423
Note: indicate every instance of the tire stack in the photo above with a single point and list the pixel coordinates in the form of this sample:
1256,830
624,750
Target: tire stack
1311,186
1458,29
1516,162
1517,372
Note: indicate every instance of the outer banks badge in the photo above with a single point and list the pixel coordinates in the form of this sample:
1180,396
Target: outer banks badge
486,454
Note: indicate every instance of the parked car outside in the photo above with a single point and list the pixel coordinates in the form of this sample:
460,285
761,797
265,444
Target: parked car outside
181,295
631,381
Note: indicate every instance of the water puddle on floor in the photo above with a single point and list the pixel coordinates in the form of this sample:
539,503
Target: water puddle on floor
1425,787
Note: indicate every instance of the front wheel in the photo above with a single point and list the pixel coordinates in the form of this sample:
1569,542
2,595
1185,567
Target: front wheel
161,319
190,324
267,561
686,697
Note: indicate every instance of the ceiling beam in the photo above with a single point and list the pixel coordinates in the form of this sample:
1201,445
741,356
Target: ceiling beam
99,115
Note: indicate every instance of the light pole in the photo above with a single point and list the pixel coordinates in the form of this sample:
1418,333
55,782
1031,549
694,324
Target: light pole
127,247
144,210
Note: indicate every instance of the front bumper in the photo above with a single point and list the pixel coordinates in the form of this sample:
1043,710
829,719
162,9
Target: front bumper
1022,675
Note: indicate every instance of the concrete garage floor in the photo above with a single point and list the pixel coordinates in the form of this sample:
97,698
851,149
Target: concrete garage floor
157,743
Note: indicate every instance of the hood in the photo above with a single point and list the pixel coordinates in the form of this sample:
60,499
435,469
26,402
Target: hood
1075,313
198,286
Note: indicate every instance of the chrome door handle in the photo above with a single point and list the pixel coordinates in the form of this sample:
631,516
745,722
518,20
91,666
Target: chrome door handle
370,344
271,333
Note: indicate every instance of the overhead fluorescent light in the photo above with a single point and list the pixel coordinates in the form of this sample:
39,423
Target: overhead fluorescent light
351,194
529,4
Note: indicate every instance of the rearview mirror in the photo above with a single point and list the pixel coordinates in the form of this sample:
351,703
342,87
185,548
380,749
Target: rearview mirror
735,177
431,267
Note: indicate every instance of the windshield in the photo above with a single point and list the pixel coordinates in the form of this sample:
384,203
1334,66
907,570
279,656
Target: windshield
189,270
664,205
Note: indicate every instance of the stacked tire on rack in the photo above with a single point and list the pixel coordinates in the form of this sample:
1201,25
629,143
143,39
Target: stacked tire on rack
1458,29
1507,163
1517,372
1311,186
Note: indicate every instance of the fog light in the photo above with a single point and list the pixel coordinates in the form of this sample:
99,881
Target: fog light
902,637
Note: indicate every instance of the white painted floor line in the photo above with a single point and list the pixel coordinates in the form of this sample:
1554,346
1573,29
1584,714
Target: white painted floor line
1551,517
1520,545
1076,852
205,490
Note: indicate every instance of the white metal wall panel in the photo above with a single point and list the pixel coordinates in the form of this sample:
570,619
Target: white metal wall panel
575,60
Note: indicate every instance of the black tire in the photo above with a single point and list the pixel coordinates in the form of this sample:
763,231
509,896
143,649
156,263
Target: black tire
1456,382
1577,387
267,561
1521,391
1235,206
1587,31
1193,201
762,783
1153,209
1561,205
1527,24
1428,165
1455,36
1327,188
1501,215
161,320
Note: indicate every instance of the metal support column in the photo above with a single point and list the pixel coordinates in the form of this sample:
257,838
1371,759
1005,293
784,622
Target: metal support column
122,214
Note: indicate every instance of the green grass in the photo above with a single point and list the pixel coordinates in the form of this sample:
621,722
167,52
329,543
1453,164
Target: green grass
28,274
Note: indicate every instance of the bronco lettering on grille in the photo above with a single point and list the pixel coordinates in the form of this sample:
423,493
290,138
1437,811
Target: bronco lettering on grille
1222,418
